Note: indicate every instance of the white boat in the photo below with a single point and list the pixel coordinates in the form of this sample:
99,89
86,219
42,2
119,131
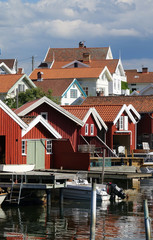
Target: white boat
2,197
82,191
16,168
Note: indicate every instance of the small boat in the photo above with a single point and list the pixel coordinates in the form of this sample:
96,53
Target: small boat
2,197
81,190
16,168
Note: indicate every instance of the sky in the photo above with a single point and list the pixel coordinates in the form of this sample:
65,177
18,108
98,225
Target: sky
29,27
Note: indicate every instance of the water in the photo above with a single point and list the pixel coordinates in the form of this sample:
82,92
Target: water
121,220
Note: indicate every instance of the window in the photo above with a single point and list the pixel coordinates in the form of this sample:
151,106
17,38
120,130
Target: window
65,96
49,146
125,123
44,115
23,147
21,88
75,64
92,129
85,89
86,129
73,93
121,123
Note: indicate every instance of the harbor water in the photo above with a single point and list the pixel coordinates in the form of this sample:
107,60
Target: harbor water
120,220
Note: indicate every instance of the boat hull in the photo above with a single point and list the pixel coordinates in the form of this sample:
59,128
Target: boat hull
83,192
2,197
16,167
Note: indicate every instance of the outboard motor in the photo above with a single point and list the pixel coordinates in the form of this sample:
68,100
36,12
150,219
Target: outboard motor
113,190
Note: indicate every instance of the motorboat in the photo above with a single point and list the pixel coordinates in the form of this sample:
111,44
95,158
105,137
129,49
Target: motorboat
15,168
81,190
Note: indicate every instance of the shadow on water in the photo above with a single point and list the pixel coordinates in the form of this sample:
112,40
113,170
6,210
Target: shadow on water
115,220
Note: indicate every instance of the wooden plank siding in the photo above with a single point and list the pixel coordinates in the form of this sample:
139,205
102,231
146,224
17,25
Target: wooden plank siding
12,133
63,125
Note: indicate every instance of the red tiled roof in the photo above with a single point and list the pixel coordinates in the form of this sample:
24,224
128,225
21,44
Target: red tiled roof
7,81
110,63
138,77
70,54
67,73
78,111
28,119
26,105
142,104
107,113
58,86
8,62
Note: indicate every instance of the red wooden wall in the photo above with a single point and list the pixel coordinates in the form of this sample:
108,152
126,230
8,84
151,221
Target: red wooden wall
12,132
65,157
63,125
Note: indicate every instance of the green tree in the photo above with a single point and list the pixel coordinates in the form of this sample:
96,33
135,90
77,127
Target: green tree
29,95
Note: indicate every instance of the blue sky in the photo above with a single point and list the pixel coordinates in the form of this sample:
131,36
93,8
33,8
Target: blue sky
29,27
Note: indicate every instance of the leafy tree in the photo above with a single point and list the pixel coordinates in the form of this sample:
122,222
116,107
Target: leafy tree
29,95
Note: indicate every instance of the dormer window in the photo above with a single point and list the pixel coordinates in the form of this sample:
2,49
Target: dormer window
75,64
92,129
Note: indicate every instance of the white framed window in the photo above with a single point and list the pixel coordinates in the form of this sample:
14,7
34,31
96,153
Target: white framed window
73,93
65,96
121,123
86,129
23,147
92,129
21,88
49,146
44,115
125,122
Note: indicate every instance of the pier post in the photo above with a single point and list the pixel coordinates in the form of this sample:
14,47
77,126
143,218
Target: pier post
48,198
93,210
147,221
61,202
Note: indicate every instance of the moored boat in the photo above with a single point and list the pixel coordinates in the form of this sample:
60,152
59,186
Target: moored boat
16,167
2,197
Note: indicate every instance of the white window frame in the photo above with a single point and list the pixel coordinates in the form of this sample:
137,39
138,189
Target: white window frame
121,123
49,146
92,129
73,93
23,147
44,115
126,123
86,128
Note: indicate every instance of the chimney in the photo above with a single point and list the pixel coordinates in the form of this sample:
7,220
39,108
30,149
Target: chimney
19,70
81,44
144,70
86,57
39,76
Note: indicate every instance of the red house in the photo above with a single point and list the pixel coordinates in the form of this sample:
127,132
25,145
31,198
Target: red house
39,141
122,126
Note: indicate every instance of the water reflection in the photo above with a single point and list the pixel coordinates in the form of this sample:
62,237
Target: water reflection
119,220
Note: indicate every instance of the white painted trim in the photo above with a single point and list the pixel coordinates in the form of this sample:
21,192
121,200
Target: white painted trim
30,82
124,108
40,119
75,61
15,117
130,107
55,106
6,68
108,74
